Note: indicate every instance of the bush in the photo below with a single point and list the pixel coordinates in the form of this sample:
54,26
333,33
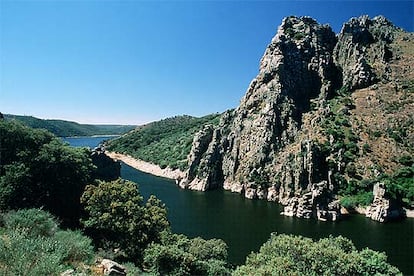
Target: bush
23,255
400,185
31,222
296,255
179,255
78,248
32,244
360,199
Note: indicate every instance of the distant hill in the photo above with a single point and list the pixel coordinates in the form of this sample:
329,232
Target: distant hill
166,142
66,128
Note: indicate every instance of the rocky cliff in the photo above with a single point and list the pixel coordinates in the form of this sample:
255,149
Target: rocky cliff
293,139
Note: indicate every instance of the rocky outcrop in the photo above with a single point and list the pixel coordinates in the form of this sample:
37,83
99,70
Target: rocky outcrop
112,268
204,161
381,208
262,149
363,50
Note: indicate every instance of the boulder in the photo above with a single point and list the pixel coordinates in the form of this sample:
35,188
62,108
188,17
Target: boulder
113,268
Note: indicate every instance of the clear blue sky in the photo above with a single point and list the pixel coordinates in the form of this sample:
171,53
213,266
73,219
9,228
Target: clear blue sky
133,62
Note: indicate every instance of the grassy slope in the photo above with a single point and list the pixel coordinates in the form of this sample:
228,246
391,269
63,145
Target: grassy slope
166,142
67,128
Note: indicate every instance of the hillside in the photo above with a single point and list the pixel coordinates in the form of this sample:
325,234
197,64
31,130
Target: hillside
326,124
63,128
165,143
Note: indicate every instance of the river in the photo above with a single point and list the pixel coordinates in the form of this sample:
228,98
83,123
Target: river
246,224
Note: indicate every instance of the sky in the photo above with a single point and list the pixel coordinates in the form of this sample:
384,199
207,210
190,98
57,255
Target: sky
132,62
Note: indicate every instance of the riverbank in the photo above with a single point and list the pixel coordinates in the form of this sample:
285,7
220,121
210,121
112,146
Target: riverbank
408,213
146,166
177,174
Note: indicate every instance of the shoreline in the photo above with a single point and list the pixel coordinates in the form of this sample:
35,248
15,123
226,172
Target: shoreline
177,174
93,136
146,166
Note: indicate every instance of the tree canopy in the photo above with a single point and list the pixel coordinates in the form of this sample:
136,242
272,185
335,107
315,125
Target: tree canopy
118,218
297,255
37,169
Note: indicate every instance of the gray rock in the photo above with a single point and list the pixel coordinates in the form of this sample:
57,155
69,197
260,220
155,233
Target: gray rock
113,268
381,210
362,43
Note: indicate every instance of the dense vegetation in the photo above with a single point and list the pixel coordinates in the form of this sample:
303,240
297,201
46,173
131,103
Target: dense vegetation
165,143
118,218
31,243
179,255
295,255
38,170
63,128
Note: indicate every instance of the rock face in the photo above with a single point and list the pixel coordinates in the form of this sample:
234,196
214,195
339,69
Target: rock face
381,208
262,149
362,50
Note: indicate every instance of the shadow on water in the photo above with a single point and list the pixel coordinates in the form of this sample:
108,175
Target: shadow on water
246,224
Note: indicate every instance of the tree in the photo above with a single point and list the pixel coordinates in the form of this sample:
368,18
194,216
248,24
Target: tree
179,255
117,218
38,169
296,255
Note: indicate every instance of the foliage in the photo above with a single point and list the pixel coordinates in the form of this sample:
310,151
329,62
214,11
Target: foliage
38,246
165,143
77,246
117,217
179,255
38,169
360,199
66,128
296,255
400,185
33,222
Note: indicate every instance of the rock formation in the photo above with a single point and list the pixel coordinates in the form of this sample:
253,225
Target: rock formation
270,147
381,208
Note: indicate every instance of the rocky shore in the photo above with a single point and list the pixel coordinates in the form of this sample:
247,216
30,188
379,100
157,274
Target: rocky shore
146,166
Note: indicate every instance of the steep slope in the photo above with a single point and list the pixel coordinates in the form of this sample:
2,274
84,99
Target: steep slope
66,128
165,143
299,136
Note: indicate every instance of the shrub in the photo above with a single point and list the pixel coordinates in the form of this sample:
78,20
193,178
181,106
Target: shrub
78,248
31,222
296,255
32,244
179,255
23,255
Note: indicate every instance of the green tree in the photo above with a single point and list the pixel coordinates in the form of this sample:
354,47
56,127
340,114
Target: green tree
296,255
179,255
117,217
38,169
